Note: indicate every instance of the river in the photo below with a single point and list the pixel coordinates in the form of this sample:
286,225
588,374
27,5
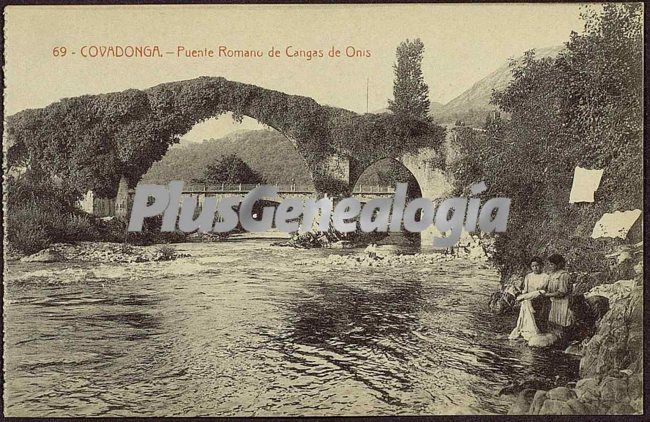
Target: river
246,328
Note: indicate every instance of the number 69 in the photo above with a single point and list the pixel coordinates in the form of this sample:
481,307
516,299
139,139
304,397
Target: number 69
59,51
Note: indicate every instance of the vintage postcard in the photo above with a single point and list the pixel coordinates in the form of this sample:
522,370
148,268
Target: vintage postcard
323,210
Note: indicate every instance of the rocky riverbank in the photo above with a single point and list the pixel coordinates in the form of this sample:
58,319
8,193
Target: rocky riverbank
103,252
611,367
387,256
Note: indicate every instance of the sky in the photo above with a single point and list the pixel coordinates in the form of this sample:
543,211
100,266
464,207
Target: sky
463,43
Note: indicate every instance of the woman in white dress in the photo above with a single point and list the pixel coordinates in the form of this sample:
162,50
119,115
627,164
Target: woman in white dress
534,286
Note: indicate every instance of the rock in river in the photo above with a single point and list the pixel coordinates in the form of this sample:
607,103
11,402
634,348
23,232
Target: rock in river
46,255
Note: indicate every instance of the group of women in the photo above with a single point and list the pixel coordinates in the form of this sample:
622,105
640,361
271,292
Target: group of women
544,300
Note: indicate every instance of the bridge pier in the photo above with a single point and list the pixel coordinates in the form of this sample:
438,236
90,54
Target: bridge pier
427,236
332,176
122,200
433,182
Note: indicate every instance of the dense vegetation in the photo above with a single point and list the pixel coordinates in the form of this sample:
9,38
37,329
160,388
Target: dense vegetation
581,108
41,212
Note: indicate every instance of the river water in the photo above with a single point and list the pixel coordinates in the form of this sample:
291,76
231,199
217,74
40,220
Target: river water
245,328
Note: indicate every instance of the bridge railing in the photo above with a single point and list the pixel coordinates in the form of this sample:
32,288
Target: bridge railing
243,187
373,189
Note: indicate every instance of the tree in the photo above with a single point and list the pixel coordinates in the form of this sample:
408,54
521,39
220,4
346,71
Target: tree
581,108
230,169
410,92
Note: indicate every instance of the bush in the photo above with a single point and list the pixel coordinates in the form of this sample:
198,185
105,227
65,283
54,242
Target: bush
115,230
32,226
79,227
29,240
40,211
230,169
166,253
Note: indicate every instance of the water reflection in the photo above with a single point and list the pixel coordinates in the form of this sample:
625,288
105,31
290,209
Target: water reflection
356,330
242,329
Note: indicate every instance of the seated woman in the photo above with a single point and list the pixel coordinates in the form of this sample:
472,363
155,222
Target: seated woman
533,287
560,316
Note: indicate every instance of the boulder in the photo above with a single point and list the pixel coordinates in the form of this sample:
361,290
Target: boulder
562,394
637,405
588,388
523,402
613,292
618,341
621,409
614,390
555,407
635,386
46,255
533,383
579,408
537,403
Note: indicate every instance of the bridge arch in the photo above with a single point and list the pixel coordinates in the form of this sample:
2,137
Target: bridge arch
130,130
424,165
299,119
382,176
263,148
426,172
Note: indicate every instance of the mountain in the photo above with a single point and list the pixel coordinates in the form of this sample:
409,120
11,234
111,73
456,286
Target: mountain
473,105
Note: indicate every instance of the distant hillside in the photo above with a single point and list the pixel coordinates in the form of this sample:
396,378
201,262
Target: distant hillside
265,151
435,107
473,105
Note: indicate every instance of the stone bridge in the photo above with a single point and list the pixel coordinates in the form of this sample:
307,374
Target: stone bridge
95,141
